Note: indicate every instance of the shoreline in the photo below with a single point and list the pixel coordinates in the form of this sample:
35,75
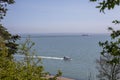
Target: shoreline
60,78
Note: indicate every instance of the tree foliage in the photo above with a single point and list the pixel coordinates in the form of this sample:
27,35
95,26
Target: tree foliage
20,70
29,68
109,62
107,71
10,40
106,4
3,7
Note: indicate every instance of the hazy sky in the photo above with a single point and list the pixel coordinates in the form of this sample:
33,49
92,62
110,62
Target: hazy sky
57,16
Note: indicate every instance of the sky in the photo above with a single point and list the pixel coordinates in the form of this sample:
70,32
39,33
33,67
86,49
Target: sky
58,16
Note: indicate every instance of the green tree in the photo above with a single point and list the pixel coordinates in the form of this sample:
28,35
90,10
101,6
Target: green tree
109,62
9,39
106,4
29,68
20,70
3,7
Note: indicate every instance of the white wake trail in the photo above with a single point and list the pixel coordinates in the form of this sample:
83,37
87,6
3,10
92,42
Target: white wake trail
46,57
42,57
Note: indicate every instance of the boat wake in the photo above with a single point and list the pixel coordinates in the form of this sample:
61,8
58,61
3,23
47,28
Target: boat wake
45,57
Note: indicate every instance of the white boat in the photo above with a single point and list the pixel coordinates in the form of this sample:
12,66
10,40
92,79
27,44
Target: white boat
67,58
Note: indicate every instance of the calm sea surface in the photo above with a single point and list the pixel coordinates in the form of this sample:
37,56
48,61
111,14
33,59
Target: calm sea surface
84,50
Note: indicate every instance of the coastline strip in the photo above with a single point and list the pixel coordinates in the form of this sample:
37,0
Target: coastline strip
60,78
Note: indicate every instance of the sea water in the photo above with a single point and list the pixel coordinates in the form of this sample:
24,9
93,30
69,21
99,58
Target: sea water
83,50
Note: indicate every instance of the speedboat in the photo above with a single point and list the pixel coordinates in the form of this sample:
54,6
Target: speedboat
66,58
